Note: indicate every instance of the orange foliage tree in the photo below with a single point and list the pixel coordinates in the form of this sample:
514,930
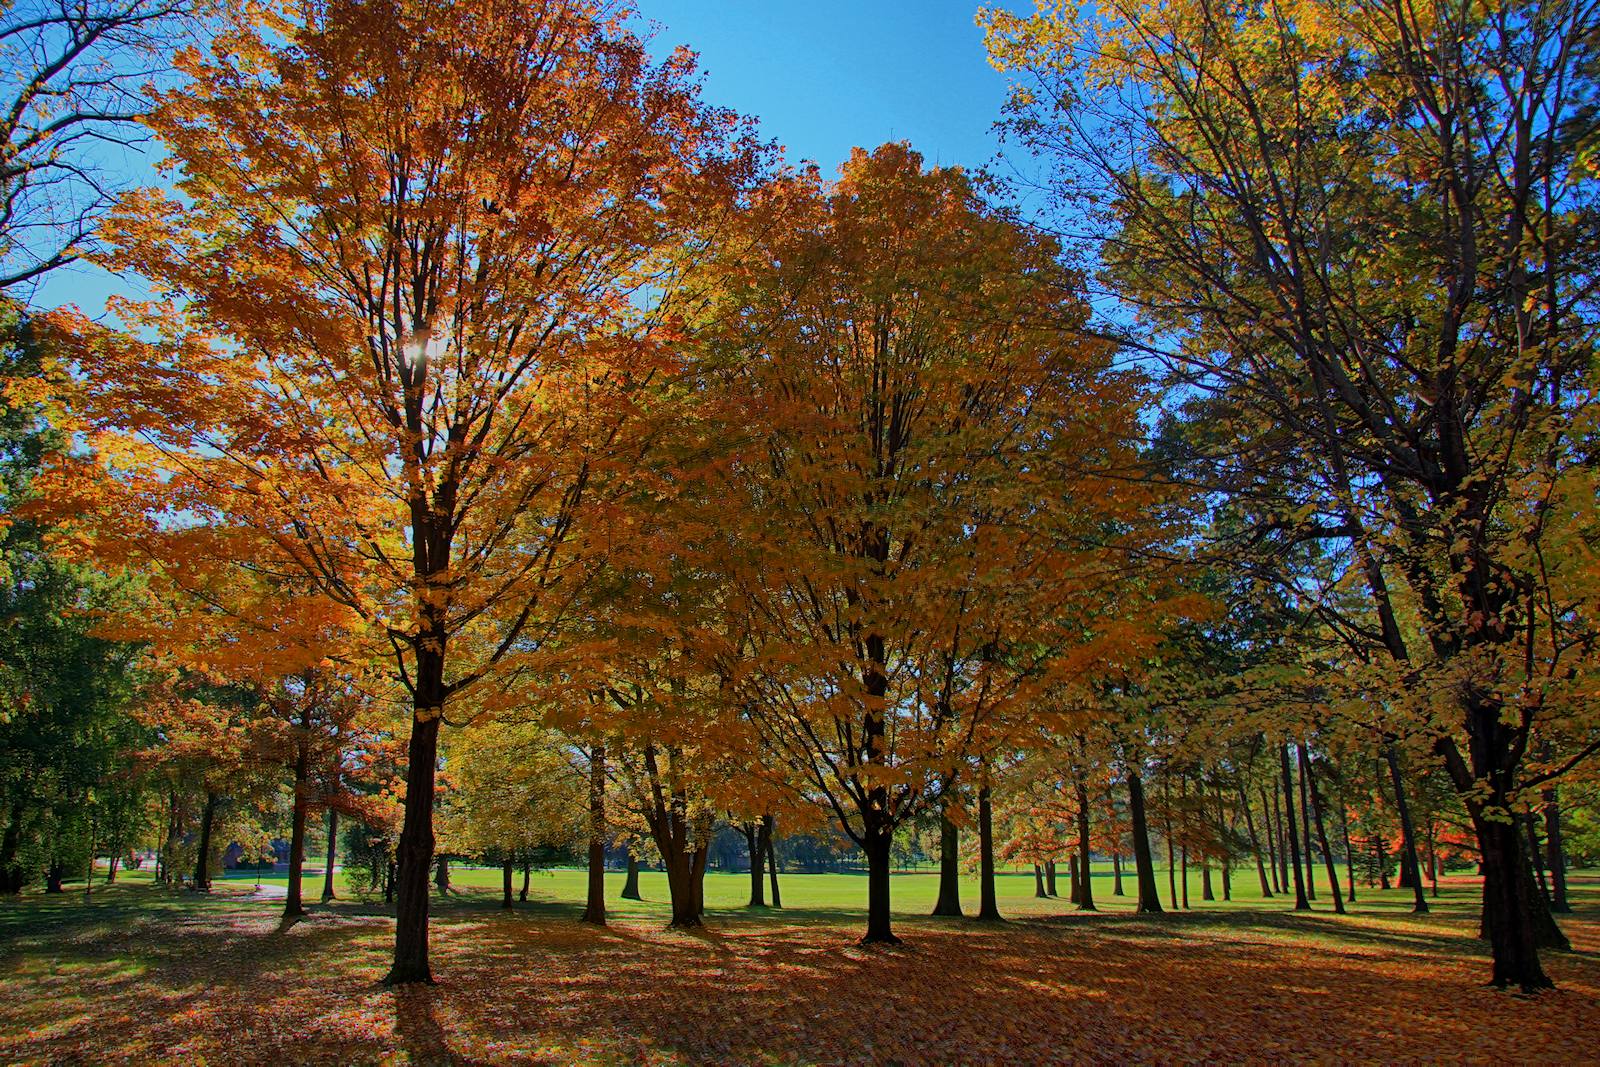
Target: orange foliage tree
419,280
935,483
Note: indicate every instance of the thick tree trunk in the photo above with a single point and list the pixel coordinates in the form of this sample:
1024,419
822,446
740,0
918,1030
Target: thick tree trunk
1038,883
680,887
1508,906
1086,893
333,854
755,840
594,909
630,887
202,863
989,905
1050,879
527,871
441,876
879,838
507,874
1300,901
1144,866
292,902
1410,869
1555,851
949,902
1206,892
1308,775
1075,879
414,855
1116,874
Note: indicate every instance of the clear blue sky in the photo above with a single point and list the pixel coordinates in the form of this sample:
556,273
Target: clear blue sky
821,76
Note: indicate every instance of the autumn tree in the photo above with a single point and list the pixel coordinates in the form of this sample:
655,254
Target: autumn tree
929,486
417,268
1358,228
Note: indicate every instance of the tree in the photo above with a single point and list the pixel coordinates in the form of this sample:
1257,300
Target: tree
77,68
422,268
1358,233
931,483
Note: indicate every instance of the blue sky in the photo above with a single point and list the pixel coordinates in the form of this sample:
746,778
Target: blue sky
826,75
821,76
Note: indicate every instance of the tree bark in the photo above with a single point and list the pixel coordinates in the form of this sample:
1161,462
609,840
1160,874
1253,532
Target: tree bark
202,863
1308,775
1300,901
1075,879
1086,889
772,862
333,852
1305,839
1255,843
1282,837
441,876
1038,883
949,902
1410,869
989,906
594,909
414,855
1144,867
12,876
755,841
1272,843
1349,855
507,873
527,871
630,888
1172,855
1555,852
1508,904
293,905
1050,879
1116,873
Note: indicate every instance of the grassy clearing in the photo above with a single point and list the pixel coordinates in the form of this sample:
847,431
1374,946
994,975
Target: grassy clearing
141,974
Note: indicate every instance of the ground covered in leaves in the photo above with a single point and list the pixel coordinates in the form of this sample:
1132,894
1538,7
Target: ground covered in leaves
143,975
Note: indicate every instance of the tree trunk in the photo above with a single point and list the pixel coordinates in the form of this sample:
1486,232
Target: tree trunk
1508,906
333,852
1206,892
1172,855
1116,874
1308,775
1410,869
772,862
527,871
414,855
1555,852
292,901
949,902
879,838
441,876
679,866
1281,848
1536,856
53,876
1038,883
755,840
1300,901
989,906
630,887
594,910
111,868
1255,843
1305,839
1050,879
1144,867
1086,889
202,863
1349,856
1383,861
1075,879
507,873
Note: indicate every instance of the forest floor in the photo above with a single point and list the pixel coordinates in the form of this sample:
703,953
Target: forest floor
142,974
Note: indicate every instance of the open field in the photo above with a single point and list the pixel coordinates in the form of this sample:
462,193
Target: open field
141,974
